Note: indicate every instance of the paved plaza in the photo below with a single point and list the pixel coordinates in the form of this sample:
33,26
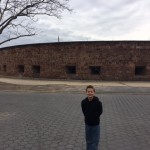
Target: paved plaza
54,121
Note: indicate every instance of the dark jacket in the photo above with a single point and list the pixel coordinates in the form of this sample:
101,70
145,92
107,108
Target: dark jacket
92,110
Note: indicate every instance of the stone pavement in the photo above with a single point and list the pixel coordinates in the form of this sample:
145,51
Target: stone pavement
46,115
72,86
54,121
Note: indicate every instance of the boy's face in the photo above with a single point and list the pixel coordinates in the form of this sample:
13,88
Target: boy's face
90,92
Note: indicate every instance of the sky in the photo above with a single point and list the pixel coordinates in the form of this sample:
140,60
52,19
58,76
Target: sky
94,20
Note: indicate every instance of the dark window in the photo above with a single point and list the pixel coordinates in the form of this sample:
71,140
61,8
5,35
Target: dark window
95,70
21,68
71,69
140,70
4,68
36,69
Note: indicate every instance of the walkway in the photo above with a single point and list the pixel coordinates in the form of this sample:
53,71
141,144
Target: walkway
32,121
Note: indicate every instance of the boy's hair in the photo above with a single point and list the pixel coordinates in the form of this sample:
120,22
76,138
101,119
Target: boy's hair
91,87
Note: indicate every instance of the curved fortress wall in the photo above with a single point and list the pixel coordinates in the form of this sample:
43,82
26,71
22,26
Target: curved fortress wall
100,60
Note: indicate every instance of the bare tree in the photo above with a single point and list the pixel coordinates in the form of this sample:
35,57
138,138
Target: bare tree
16,15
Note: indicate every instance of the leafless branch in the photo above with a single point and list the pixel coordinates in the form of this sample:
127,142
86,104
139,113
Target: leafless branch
15,38
11,11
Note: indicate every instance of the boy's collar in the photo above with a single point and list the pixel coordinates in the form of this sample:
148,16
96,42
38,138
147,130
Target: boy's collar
90,99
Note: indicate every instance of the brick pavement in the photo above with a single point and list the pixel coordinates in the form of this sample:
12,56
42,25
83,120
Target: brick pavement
32,121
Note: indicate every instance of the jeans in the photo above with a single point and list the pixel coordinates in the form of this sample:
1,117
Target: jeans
92,137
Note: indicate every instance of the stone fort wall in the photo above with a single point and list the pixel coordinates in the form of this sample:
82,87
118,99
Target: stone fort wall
95,60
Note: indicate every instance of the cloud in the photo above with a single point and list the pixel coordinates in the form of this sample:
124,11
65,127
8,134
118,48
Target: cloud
96,20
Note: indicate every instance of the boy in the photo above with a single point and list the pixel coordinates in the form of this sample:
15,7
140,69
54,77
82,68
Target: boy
92,109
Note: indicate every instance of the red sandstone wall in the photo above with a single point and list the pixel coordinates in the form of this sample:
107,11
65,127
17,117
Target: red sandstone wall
117,60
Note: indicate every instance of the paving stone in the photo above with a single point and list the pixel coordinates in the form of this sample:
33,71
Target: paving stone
34,121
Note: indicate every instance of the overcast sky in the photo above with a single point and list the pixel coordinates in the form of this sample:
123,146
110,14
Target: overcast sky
95,20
